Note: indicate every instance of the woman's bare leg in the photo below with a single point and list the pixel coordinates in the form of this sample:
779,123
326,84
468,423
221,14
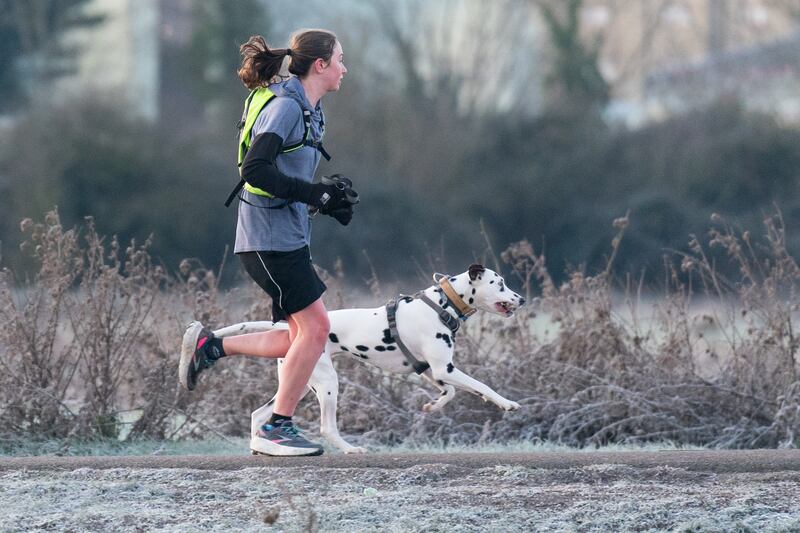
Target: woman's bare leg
312,327
273,344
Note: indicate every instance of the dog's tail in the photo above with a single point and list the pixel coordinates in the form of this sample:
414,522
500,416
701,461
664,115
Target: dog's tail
249,327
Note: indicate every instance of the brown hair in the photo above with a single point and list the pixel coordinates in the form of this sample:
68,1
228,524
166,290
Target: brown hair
261,65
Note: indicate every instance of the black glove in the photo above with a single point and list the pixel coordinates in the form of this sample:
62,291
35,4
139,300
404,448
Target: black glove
345,195
326,197
343,215
344,184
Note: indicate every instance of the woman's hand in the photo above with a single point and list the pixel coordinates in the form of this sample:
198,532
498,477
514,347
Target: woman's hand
343,215
343,196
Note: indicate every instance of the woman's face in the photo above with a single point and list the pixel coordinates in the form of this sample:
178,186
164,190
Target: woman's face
334,69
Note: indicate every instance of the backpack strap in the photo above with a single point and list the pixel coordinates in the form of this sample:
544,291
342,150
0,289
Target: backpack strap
285,149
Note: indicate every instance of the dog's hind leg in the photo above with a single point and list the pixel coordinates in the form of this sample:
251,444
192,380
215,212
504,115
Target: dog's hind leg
446,393
249,327
325,384
260,416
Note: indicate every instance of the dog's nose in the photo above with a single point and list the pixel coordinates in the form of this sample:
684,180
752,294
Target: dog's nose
521,300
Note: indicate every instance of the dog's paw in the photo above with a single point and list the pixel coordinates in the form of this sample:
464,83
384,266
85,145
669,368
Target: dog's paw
511,406
355,449
431,406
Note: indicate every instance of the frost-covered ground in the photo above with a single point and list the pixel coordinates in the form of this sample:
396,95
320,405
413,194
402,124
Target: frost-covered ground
429,496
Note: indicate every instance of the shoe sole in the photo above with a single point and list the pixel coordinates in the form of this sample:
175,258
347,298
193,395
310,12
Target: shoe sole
260,446
188,347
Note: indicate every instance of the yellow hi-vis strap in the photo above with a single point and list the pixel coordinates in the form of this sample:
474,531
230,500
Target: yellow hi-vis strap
255,103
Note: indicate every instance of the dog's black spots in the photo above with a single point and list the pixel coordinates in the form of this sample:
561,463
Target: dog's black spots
473,291
444,393
329,393
452,279
405,363
361,355
491,282
502,289
440,382
362,348
387,337
380,348
450,368
391,348
471,300
461,295
446,338
333,337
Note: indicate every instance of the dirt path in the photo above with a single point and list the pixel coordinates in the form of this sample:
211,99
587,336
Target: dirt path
718,461
620,491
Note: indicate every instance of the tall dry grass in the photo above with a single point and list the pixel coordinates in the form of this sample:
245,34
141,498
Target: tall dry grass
91,332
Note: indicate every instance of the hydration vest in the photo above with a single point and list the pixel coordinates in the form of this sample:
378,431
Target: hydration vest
253,105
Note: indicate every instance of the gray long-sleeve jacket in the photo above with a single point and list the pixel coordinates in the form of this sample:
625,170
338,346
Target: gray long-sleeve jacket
288,228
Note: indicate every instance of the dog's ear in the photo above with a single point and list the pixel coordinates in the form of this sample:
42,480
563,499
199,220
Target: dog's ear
475,271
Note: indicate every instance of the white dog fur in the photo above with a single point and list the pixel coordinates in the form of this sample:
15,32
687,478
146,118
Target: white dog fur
364,334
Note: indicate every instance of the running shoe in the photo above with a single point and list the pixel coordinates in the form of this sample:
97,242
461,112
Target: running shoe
194,357
282,439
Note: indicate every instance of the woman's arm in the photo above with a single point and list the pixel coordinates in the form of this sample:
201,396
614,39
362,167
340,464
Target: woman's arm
260,170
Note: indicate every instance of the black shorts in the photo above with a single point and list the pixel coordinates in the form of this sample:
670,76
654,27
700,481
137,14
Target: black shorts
288,277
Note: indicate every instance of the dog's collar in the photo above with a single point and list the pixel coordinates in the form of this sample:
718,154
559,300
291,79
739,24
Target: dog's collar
462,308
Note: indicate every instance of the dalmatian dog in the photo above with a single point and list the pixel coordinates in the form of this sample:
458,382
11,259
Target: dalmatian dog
422,330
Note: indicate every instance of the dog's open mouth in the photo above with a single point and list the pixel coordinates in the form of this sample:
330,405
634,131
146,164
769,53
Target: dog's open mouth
505,308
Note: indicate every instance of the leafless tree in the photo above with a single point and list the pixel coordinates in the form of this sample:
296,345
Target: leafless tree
473,56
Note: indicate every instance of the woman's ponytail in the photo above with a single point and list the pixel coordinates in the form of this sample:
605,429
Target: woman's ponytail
260,64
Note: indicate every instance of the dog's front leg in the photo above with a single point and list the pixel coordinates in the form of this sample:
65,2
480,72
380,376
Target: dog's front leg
455,377
447,392
325,384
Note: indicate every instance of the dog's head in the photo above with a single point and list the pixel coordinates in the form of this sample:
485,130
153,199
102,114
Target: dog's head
488,292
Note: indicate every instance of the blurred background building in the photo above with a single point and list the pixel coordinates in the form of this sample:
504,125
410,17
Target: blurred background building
663,57
121,55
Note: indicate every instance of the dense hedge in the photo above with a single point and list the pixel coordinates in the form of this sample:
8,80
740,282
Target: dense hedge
556,180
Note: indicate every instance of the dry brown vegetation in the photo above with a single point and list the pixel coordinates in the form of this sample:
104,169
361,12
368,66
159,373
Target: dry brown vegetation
92,332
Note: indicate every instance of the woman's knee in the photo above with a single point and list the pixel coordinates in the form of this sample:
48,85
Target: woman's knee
313,322
322,327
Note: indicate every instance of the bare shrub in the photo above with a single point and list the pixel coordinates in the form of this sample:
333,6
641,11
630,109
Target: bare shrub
37,371
92,333
602,378
90,337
